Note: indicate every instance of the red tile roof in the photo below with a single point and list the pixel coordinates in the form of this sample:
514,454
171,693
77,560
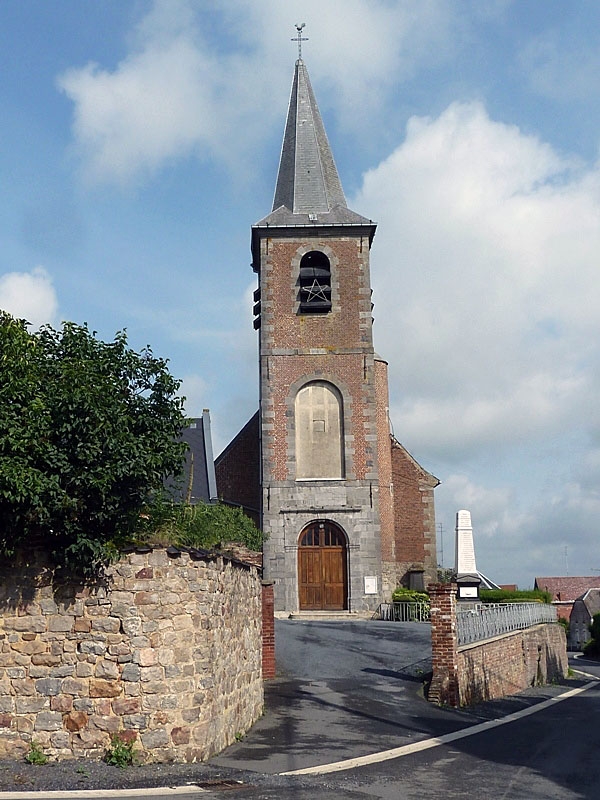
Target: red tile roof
567,589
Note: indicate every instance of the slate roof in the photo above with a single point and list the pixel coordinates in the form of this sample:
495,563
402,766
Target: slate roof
308,189
567,589
591,600
198,483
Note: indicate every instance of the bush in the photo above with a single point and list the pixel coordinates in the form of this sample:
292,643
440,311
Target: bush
518,596
202,525
592,646
565,623
403,595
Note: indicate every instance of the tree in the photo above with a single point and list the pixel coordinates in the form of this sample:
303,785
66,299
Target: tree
88,432
592,646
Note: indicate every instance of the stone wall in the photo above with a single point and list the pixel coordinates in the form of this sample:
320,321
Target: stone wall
493,668
167,653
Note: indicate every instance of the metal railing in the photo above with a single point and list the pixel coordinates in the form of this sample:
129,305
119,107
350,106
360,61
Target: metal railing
403,612
495,619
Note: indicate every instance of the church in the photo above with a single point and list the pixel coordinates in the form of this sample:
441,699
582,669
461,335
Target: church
348,513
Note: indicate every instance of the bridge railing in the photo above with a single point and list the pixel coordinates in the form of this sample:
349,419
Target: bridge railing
496,619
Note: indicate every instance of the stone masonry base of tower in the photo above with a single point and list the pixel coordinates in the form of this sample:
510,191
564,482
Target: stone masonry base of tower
351,509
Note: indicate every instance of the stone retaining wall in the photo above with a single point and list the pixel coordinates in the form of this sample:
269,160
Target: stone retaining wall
493,668
168,654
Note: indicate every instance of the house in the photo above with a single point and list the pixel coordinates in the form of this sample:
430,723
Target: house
584,609
198,483
564,591
347,511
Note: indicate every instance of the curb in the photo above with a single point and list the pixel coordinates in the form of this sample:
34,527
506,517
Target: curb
88,794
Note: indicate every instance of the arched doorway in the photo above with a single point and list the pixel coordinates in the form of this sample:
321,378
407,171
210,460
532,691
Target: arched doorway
322,573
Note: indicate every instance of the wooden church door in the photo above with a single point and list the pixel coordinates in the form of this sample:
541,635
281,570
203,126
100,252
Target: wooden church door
322,578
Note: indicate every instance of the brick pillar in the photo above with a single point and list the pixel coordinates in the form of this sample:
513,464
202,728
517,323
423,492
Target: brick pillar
268,631
444,689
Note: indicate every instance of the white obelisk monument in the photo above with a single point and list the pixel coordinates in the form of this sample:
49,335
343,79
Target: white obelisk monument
465,549
467,577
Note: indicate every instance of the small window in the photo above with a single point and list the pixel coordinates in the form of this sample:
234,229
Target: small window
315,283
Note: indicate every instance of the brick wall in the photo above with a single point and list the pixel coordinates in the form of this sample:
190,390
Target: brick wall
336,347
148,656
237,470
509,664
494,668
414,516
268,630
444,688
386,489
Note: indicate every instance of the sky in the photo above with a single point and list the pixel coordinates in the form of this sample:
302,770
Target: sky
139,141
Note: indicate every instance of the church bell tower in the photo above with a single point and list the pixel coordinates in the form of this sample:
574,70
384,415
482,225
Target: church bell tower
321,410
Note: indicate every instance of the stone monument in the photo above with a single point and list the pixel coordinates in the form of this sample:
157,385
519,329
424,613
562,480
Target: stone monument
467,577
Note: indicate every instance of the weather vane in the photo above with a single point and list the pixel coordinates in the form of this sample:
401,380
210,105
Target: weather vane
299,38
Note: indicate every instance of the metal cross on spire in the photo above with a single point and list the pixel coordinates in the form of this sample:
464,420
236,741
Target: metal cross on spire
299,38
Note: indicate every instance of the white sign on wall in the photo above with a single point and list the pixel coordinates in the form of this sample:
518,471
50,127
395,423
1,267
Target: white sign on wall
370,584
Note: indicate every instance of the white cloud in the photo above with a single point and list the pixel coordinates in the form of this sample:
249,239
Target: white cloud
30,296
561,69
553,535
485,277
158,104
487,506
175,94
194,389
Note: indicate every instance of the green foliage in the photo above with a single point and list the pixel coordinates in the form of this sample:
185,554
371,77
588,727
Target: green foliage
592,646
445,575
36,755
202,525
120,752
518,596
402,595
88,432
595,627
565,623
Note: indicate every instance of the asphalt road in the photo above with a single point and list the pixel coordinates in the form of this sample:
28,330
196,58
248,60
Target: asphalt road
352,689
343,689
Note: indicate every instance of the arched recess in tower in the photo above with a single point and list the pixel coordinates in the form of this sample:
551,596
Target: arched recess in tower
319,419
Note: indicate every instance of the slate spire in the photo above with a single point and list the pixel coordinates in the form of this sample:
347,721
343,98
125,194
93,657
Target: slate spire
308,180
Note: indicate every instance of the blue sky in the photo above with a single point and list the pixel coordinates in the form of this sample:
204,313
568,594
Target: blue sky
140,141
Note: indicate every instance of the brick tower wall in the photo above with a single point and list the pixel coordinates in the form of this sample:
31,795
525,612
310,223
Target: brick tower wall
294,350
386,489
